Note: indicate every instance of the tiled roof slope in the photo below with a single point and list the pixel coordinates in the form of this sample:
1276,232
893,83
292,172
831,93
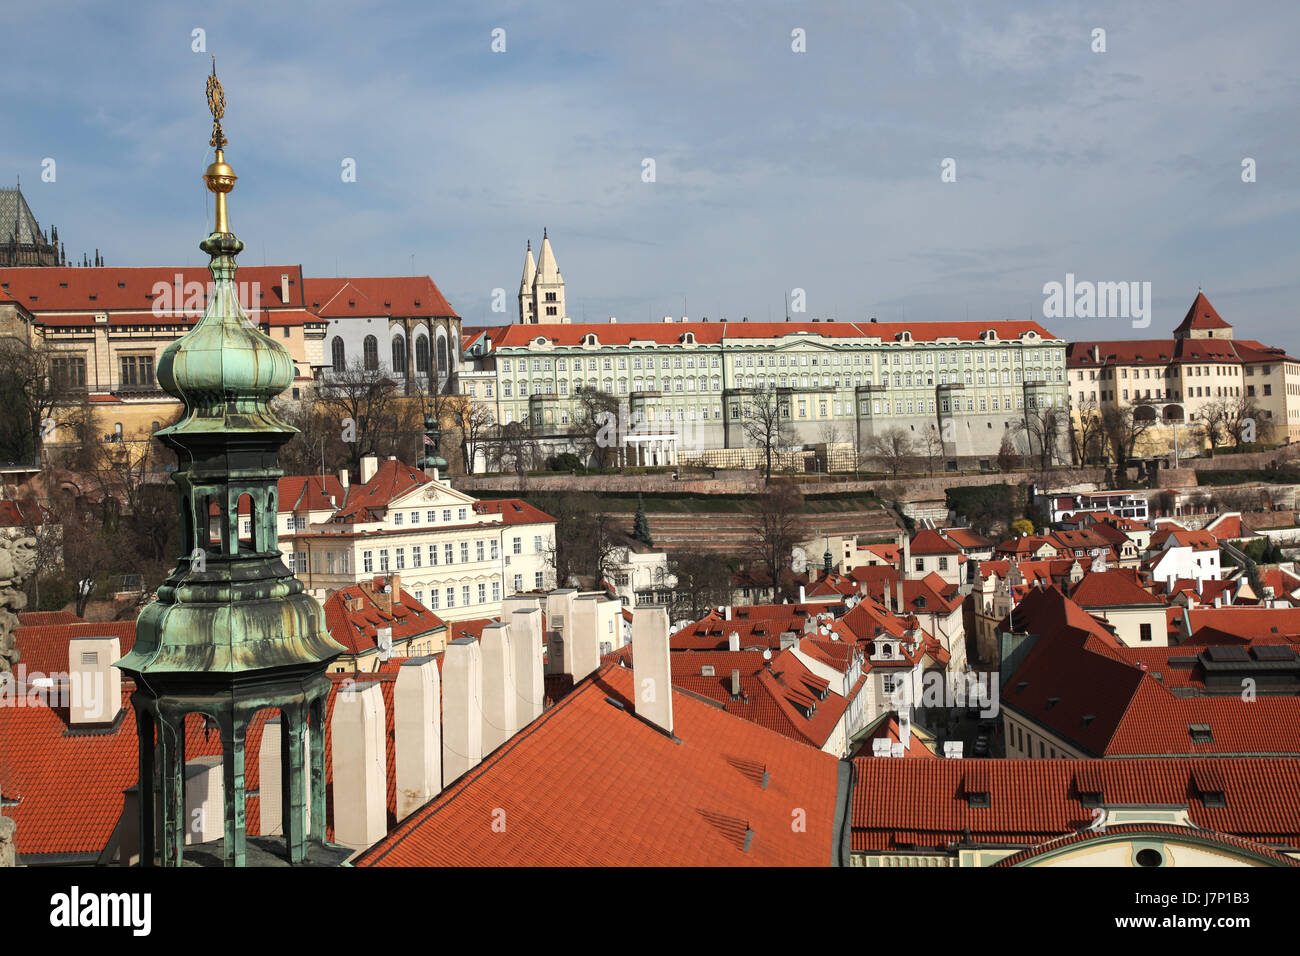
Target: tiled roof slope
922,802
591,784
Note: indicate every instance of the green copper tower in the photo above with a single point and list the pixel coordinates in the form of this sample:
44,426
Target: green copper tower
232,632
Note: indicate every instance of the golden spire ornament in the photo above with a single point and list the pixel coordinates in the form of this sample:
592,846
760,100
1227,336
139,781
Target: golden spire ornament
219,176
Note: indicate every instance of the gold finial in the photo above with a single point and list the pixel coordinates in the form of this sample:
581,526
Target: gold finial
219,176
217,106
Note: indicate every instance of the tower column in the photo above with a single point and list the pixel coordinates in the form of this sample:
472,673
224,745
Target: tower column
144,727
234,726
171,729
293,780
317,729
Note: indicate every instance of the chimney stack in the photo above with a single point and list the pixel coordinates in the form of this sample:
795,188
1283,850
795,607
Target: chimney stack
735,683
803,597
526,644
559,627
284,287
499,700
96,691
898,588
417,737
462,711
369,465
651,667
582,649
360,766
271,756
727,616
733,641
343,479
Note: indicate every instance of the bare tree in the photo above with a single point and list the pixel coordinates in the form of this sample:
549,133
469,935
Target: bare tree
1246,422
1087,433
765,420
1124,426
701,582
892,447
776,524
1042,426
474,422
29,390
513,447
361,404
1212,420
588,544
932,446
594,429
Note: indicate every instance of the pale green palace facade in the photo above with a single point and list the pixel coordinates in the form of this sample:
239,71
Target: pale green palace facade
966,383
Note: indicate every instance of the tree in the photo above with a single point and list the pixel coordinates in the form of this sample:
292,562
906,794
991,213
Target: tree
1041,427
587,543
595,427
702,581
893,447
29,391
1212,421
1124,426
1022,526
775,526
1086,433
513,447
1006,454
932,446
1245,421
475,423
640,525
765,421
362,405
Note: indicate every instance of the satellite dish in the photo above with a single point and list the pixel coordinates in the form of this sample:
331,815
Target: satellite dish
385,641
767,654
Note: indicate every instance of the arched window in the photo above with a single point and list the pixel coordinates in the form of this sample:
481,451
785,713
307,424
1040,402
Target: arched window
336,354
422,354
399,355
370,350
442,356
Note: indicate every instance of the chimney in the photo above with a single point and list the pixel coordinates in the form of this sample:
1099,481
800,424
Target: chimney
803,598
898,590
583,646
271,757
735,683
787,640
733,641
462,709
559,627
417,737
369,465
499,701
360,766
651,668
907,555
96,685
526,643
343,478
1218,600
394,590
519,602
1199,583
727,616
284,287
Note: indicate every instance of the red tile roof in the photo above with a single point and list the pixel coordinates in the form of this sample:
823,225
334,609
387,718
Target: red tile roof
904,804
44,647
967,539
366,501
1201,315
929,541
591,784
358,629
42,618
713,333
1113,588
397,296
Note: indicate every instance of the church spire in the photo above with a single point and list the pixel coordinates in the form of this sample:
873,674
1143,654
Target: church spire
232,631
530,270
547,271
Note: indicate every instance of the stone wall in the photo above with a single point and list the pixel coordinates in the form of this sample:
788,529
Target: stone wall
7,851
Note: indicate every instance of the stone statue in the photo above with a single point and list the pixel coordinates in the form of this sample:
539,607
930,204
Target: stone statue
17,564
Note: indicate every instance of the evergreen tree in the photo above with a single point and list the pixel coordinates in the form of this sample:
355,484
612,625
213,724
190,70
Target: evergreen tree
640,526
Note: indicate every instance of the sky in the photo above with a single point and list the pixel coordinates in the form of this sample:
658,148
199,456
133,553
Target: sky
798,150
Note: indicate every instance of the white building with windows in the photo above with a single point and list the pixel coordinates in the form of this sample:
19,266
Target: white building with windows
459,557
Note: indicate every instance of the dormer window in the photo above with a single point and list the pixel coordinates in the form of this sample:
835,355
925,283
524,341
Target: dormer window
1200,733
688,338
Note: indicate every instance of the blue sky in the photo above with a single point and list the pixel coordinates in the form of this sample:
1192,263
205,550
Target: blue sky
775,170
